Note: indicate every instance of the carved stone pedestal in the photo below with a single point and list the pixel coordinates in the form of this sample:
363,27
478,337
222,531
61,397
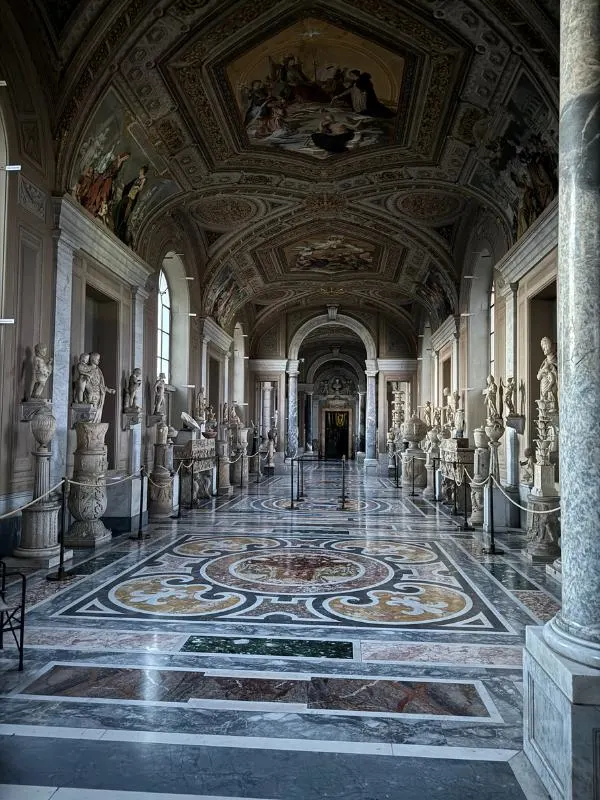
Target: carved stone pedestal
39,523
87,503
162,486
225,487
544,534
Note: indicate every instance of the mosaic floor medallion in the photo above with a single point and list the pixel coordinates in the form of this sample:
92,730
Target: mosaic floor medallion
301,579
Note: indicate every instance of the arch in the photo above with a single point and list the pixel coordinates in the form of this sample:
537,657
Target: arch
324,359
175,274
340,319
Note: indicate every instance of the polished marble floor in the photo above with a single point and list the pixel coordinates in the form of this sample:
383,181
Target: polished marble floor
362,649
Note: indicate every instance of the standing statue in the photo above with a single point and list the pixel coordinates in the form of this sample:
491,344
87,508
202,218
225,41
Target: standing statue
96,389
82,372
437,417
200,406
133,387
427,414
447,410
159,394
225,414
42,369
491,398
527,466
509,396
548,373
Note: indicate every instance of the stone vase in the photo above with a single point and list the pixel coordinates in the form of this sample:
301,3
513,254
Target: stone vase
87,503
494,429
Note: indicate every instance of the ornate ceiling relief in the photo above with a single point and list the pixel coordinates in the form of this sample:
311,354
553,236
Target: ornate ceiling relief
322,152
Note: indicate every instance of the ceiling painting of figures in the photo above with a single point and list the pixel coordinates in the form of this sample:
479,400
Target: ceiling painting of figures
330,255
318,90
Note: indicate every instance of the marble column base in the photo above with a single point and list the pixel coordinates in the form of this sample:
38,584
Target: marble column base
561,720
39,531
87,533
420,480
164,496
544,533
428,491
371,464
225,487
477,508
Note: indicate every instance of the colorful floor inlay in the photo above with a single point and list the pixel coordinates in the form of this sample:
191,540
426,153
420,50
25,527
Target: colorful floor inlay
312,579
297,648
309,693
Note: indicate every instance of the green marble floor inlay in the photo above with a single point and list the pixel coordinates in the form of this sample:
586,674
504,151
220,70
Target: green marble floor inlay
307,648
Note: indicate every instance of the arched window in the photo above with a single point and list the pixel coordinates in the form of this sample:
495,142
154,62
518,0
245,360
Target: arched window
163,349
492,327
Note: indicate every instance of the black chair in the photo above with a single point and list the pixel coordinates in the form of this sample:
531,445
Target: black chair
12,610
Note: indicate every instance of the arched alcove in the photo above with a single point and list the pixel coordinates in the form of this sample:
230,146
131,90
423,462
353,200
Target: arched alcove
339,319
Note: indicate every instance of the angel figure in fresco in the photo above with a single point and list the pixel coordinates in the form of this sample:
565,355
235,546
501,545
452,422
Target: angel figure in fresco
124,208
362,97
101,189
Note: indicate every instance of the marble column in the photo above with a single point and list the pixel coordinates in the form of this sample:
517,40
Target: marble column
455,361
562,662
266,391
222,445
436,378
511,438
308,426
361,422
61,372
226,358
292,370
138,297
371,415
204,362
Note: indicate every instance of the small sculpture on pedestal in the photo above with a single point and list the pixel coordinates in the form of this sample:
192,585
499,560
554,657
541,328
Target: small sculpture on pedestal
159,395
189,422
491,398
225,418
82,370
527,466
42,369
134,385
427,414
89,389
96,389
132,410
270,450
200,406
210,431
509,396
548,375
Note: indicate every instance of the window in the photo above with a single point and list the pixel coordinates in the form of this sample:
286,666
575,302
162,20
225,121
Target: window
492,327
163,349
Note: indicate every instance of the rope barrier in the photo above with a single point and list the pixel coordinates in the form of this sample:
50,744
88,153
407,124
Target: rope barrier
529,510
32,502
518,505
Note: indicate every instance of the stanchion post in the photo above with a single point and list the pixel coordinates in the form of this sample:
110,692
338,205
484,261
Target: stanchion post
141,515
465,526
343,483
396,470
435,497
61,573
413,493
257,468
179,486
454,504
218,472
492,549
292,485
191,483
302,477
242,473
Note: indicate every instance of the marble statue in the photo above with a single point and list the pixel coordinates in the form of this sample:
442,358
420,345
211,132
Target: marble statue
95,389
189,422
427,414
447,410
491,398
82,369
234,417
159,394
200,405
509,396
134,385
225,419
527,466
42,369
548,373
210,415
437,417
270,449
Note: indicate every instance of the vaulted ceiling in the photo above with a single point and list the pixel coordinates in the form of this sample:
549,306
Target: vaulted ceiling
339,150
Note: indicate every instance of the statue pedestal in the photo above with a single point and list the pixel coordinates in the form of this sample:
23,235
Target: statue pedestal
164,486
123,510
506,515
82,412
87,502
544,534
225,487
29,408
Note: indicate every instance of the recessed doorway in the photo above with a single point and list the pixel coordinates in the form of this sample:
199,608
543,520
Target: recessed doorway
337,433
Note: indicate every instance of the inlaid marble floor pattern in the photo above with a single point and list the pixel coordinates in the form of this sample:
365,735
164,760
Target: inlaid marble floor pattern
253,650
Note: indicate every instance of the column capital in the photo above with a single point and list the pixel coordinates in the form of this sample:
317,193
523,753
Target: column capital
293,367
371,367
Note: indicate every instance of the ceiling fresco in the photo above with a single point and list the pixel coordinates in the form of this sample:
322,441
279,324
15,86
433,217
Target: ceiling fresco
317,89
319,151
